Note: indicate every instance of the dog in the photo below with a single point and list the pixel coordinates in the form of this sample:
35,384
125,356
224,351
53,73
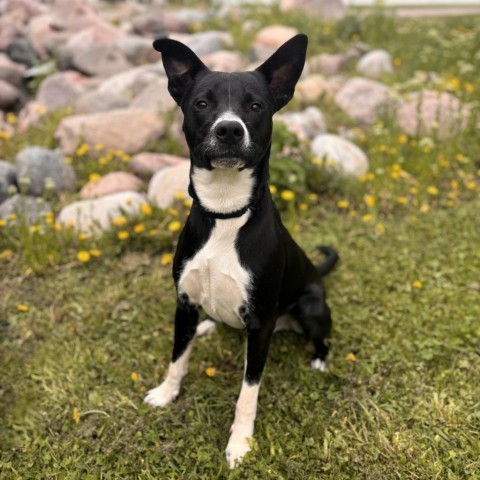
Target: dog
235,259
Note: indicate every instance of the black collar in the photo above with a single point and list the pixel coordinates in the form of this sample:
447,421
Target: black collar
224,216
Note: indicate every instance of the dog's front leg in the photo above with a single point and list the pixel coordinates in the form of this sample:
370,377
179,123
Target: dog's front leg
258,341
186,319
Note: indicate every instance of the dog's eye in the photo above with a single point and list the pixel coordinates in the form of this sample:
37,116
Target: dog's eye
256,107
201,105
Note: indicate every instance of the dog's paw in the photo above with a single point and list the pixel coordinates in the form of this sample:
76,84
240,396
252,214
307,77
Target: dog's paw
319,365
237,448
206,328
162,395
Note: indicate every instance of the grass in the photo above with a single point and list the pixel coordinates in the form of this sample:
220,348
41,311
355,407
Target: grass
84,336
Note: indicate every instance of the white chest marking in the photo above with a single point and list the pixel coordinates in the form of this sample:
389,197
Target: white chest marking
214,278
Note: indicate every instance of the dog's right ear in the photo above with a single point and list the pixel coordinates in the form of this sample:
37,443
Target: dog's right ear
181,66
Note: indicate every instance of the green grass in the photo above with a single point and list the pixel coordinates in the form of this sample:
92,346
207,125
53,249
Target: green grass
81,342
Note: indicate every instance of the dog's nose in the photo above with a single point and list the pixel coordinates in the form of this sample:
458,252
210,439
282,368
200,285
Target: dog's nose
229,131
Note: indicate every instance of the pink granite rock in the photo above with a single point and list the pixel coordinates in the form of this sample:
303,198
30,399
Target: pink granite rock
9,94
223,61
113,182
146,164
327,63
60,89
10,71
313,87
274,35
166,183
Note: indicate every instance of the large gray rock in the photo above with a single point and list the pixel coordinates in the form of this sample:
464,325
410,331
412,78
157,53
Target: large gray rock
129,130
365,100
40,169
61,89
155,97
150,23
274,35
340,154
8,179
375,64
95,216
25,207
73,15
137,50
11,72
306,124
100,60
167,182
96,101
9,94
21,51
203,43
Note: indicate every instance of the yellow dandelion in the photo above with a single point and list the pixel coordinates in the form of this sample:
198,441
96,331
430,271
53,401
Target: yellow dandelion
23,308
83,256
402,139
119,221
179,195
402,200
174,226
351,357
355,37
166,259
99,147
140,228
417,284
4,135
123,235
210,372
369,200
58,227
352,214
125,158
367,218
303,207
153,232
12,216
413,190
471,185
461,158
82,150
187,203
454,185
146,209
312,197
94,177
425,208
134,377
75,415
172,212
343,204
287,195
433,191
380,228
34,229
469,87
11,118
318,161
95,252
2,222
82,236
273,189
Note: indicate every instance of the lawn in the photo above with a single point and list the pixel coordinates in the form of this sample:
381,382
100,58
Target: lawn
83,339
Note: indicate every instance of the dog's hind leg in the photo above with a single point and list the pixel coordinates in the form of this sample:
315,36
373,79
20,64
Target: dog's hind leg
186,319
258,342
313,313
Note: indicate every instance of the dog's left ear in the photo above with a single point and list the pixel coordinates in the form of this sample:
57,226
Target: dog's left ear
181,66
283,69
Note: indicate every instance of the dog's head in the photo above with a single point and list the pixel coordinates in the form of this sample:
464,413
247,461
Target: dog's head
228,116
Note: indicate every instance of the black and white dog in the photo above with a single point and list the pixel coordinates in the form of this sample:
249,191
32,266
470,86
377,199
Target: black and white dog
234,258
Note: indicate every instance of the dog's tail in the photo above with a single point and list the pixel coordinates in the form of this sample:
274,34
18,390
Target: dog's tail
329,262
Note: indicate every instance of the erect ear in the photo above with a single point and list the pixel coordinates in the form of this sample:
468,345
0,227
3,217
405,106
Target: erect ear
283,69
181,66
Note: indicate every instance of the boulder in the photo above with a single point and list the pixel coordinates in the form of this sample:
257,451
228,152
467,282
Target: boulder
60,89
113,182
375,64
8,179
340,154
274,36
146,164
155,97
100,60
166,183
96,101
305,124
9,94
224,61
204,43
129,130
10,71
95,216
25,207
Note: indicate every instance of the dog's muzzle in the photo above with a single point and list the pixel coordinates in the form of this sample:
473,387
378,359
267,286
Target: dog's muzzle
227,163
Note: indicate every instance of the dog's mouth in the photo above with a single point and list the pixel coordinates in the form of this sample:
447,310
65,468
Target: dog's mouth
223,162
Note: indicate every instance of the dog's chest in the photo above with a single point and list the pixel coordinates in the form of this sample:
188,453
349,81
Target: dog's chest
214,278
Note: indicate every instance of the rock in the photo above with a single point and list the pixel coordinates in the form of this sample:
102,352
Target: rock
8,179
96,101
100,60
94,216
314,87
223,61
429,112
129,130
43,38
25,207
306,124
328,64
9,94
274,36
73,15
186,17
150,23
20,51
100,33
113,182
168,182
257,54
374,64
203,43
365,100
40,169
327,9
341,154
137,50
155,97
11,72
29,8
131,82
60,89
146,164
10,27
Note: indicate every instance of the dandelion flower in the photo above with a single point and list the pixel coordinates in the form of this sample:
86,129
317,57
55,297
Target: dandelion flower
287,195
369,200
23,308
94,177
273,189
140,228
123,235
417,284
83,256
433,191
367,218
82,150
210,372
343,204
146,209
174,226
134,376
95,252
351,357
119,221
2,222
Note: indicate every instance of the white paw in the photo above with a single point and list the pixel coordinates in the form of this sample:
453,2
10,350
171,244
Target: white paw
162,395
319,365
237,448
206,328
